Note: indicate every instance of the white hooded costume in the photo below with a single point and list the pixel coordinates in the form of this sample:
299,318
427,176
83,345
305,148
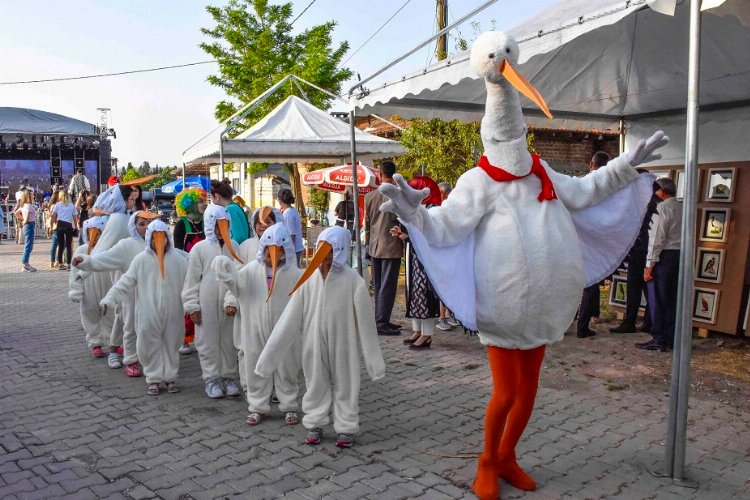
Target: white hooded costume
159,316
335,318
203,292
118,259
261,312
508,261
91,290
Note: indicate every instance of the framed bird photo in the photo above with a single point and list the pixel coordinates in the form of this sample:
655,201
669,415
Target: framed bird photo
715,224
618,291
680,176
705,305
720,184
709,264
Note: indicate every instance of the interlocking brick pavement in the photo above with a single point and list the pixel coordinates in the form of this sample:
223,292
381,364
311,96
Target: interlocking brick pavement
69,426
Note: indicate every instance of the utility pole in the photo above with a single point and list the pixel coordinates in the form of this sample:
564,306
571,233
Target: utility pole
442,22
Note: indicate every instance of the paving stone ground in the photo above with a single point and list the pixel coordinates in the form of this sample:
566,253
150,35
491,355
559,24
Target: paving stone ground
71,427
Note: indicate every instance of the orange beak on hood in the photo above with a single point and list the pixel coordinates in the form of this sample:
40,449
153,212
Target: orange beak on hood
264,213
223,226
159,242
324,248
523,86
275,252
93,234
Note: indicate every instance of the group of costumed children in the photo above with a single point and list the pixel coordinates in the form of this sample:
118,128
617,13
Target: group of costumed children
257,316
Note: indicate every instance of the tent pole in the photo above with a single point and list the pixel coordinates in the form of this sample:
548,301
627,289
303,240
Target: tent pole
680,390
355,197
221,157
622,134
183,174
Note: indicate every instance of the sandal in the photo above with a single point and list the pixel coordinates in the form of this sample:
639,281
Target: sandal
153,389
172,387
291,418
254,419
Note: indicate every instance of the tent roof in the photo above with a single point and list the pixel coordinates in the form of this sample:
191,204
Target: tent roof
593,62
34,121
295,131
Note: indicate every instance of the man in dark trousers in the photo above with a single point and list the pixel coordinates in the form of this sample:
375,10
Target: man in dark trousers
590,299
663,266
636,264
385,251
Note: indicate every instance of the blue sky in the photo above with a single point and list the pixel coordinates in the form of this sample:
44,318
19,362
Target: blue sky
158,115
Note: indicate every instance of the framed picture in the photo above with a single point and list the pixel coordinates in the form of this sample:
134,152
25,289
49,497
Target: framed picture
719,184
680,184
705,305
709,264
715,224
618,291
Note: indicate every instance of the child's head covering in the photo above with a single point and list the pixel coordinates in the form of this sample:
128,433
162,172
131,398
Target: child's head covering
421,182
92,230
277,239
143,214
334,239
264,214
186,203
111,201
217,214
158,233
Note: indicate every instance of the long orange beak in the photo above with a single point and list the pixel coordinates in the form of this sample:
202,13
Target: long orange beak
159,242
264,213
523,86
324,248
93,234
275,252
223,227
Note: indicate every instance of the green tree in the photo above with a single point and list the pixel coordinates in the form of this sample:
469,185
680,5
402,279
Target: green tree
445,149
130,174
144,169
253,44
167,174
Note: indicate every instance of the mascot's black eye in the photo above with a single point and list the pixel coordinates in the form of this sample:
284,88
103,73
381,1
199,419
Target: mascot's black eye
491,56
507,50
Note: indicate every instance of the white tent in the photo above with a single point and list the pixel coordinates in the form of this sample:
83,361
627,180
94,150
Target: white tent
598,62
35,122
295,131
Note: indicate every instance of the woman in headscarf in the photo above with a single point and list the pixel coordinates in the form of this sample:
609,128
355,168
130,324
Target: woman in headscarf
422,302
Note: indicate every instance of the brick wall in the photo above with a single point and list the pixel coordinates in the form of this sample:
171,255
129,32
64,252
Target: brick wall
570,152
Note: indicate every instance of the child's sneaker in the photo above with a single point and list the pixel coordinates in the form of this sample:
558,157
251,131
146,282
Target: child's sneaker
291,418
186,349
442,324
254,419
113,360
345,441
213,389
230,387
452,321
172,387
314,436
133,369
97,352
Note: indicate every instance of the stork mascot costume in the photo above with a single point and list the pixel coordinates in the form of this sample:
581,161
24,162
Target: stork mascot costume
514,245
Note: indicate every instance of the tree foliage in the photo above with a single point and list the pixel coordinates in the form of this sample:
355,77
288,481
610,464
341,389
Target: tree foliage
445,149
130,174
166,175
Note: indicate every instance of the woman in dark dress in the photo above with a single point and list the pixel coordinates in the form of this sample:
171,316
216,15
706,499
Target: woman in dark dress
422,302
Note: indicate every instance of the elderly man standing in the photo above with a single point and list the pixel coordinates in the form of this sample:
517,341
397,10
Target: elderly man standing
78,183
385,251
662,266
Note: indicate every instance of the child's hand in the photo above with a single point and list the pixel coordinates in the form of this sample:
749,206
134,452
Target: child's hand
196,317
230,310
76,261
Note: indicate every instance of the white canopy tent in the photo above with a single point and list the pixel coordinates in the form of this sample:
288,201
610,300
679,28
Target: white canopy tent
27,121
626,66
295,131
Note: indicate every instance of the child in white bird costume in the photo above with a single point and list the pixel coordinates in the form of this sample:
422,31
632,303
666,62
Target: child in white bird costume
203,298
156,275
118,258
333,314
262,290
514,245
90,290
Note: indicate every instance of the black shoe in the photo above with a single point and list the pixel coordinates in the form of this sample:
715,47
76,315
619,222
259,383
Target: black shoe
623,328
424,345
389,332
651,346
394,326
585,333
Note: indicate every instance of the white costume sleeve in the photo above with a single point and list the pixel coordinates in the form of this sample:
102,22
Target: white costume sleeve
75,283
367,331
577,193
114,259
226,272
120,291
286,332
191,288
655,239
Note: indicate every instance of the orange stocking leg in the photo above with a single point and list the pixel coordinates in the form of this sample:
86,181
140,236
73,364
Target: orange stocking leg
529,363
505,380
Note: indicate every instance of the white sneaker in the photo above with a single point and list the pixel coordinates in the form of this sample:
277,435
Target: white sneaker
113,360
231,388
452,321
185,349
443,325
213,389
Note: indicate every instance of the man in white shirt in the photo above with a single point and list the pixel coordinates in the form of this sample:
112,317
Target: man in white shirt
19,196
662,266
78,183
